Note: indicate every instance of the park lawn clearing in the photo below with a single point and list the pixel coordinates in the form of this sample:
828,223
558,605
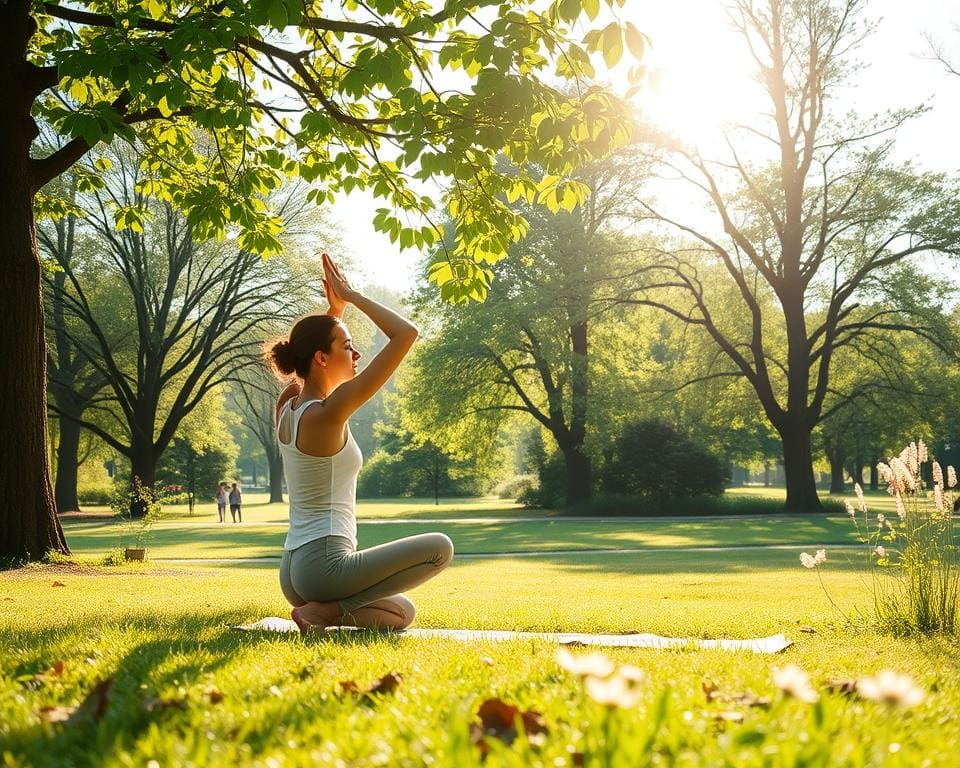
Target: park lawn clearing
185,689
204,540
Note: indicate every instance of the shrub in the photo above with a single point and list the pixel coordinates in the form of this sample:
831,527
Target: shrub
516,487
651,458
99,494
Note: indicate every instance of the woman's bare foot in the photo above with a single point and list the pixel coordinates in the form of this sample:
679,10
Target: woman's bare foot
316,616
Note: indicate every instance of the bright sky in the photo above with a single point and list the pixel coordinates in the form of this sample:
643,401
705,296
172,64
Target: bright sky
700,67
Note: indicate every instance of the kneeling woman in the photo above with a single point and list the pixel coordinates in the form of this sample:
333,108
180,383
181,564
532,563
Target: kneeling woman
322,573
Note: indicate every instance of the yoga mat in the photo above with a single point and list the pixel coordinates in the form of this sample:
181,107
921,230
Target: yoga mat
771,644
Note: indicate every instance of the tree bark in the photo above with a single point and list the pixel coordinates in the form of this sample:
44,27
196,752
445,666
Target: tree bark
28,523
798,468
874,475
143,465
578,474
275,465
837,457
68,451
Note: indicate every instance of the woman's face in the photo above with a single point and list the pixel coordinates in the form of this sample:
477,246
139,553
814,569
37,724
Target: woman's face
341,361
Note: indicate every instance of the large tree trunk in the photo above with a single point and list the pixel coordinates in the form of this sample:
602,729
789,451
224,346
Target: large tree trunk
798,468
143,466
28,522
578,474
68,451
837,456
275,464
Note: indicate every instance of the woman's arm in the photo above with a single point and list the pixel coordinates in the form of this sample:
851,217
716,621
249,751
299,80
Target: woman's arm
400,332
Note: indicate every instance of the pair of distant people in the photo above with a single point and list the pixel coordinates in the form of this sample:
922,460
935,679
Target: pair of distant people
234,497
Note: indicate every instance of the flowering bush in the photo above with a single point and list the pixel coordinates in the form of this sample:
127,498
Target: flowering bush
913,559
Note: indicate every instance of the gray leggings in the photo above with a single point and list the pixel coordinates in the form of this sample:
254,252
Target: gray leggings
330,569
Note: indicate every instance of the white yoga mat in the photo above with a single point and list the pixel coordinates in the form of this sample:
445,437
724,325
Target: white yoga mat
771,644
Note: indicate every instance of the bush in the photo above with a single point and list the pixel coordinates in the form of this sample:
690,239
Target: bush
612,505
651,458
516,487
551,490
99,494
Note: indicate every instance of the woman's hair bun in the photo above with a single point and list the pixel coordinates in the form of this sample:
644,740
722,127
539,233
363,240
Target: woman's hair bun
283,358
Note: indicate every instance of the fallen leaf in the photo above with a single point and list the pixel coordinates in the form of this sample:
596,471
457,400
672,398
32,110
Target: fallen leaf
215,696
8,599
154,704
808,630
842,685
386,684
498,719
95,705
57,669
55,714
58,584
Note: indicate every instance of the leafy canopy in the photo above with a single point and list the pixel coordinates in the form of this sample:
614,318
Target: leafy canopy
227,98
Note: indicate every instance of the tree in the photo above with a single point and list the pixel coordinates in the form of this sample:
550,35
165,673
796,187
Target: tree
200,313
818,227
255,399
526,350
368,114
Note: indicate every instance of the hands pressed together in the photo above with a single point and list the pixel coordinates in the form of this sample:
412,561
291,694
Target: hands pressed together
337,287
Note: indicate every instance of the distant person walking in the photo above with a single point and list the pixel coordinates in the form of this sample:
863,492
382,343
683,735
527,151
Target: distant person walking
236,499
222,501
322,573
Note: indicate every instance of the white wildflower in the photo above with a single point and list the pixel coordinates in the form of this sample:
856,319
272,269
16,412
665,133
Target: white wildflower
885,472
951,476
901,509
807,560
588,665
909,457
880,518
820,556
880,551
631,674
938,497
861,502
904,478
850,510
794,682
891,687
922,456
613,692
937,473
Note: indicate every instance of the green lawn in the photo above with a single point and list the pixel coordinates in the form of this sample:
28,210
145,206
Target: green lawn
189,691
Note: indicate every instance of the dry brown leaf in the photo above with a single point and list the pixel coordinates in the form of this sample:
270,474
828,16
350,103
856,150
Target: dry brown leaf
842,685
58,584
808,630
498,719
55,714
154,704
57,669
215,696
386,684
95,705
348,686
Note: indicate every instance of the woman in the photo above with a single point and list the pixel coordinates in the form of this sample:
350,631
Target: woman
323,575
222,501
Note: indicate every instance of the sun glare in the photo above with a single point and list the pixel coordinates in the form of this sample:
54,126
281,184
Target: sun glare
699,73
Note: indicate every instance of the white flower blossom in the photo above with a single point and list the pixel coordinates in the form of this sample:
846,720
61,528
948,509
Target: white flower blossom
901,509
922,456
880,551
613,692
588,665
938,497
880,518
850,510
820,556
794,682
951,476
808,561
885,472
891,687
861,502
937,473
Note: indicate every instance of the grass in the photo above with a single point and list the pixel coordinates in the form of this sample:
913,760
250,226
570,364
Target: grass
189,691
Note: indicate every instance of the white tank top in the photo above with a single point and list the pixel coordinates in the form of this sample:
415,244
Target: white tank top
322,489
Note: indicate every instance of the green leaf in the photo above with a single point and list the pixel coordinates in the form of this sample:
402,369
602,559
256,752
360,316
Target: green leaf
612,44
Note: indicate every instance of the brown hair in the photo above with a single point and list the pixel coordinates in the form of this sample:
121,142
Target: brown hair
308,334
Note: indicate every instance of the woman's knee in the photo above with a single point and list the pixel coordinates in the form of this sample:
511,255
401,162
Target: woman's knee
443,549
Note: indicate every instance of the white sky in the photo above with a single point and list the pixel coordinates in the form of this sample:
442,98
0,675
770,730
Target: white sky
698,58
